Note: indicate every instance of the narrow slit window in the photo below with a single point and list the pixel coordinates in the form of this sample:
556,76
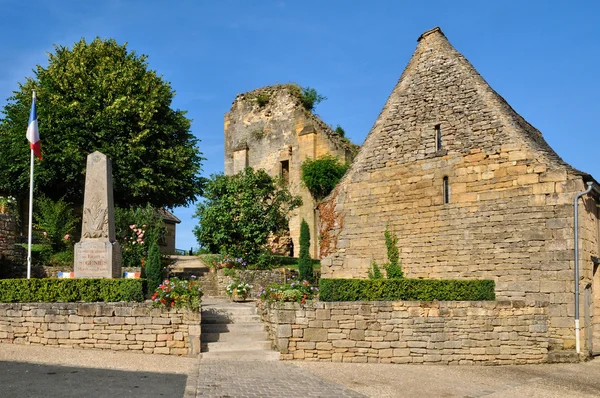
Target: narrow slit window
285,171
446,190
438,138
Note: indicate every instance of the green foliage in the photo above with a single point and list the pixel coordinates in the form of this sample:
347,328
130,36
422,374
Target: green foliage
56,220
136,230
405,289
393,268
310,98
292,290
304,262
322,175
71,290
154,268
262,99
240,211
238,287
65,258
229,272
340,131
374,271
178,293
100,96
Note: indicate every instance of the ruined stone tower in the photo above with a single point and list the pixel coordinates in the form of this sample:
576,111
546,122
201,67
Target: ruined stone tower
471,189
269,129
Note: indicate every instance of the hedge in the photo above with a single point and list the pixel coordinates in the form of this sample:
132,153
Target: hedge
71,290
405,289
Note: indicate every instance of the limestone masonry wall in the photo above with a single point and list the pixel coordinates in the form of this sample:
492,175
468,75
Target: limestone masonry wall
104,326
446,332
8,235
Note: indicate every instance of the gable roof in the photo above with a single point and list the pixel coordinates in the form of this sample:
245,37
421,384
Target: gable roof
437,65
167,216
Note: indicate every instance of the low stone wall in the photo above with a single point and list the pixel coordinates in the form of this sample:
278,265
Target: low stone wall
105,326
445,332
256,278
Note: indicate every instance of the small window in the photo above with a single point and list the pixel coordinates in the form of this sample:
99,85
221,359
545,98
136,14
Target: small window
446,191
438,138
285,171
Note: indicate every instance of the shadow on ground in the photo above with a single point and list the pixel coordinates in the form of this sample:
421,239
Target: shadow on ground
18,379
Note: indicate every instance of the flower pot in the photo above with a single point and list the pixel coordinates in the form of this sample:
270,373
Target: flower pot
238,297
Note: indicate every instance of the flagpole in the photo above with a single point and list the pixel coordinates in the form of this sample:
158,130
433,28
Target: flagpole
30,210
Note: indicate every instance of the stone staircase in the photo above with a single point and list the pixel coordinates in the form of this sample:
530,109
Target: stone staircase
234,331
188,266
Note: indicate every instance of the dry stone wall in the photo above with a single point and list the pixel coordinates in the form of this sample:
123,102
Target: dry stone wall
104,326
487,333
509,210
9,251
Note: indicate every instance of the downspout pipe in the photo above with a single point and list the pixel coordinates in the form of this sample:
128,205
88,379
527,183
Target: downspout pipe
591,186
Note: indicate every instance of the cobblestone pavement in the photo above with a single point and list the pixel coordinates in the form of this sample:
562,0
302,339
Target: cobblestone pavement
221,378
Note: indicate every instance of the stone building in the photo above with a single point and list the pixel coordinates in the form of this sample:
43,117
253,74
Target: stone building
269,129
170,221
472,190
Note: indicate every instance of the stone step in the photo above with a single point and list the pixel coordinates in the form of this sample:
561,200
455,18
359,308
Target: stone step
249,355
229,318
231,327
236,346
234,337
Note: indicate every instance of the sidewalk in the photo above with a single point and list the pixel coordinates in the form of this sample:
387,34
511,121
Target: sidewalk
80,373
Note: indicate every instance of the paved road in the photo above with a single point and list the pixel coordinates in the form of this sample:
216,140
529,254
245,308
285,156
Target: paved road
32,371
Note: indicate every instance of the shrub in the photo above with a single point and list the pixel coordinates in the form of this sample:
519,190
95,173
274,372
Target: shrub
392,267
340,131
71,290
240,288
374,271
178,293
136,230
405,289
322,175
310,98
305,267
262,99
154,269
57,221
65,258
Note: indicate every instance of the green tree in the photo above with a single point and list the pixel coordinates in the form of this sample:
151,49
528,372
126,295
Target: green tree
322,175
154,271
100,96
310,98
57,222
305,267
240,211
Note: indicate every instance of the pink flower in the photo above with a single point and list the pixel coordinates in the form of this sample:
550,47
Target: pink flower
142,242
45,233
132,226
144,226
139,240
67,237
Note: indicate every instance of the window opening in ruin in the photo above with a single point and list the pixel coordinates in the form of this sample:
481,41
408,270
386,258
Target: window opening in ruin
438,138
446,191
285,171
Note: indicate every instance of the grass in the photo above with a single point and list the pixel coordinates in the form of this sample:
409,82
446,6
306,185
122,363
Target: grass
35,247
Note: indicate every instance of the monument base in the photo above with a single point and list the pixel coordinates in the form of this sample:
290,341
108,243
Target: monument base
94,259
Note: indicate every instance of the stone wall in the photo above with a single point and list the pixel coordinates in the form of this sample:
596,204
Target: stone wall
509,209
9,251
256,278
105,326
278,136
446,332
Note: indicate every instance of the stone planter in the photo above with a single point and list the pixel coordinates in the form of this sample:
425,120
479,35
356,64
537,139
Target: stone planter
238,298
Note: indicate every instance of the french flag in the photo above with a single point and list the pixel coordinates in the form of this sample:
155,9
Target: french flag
33,134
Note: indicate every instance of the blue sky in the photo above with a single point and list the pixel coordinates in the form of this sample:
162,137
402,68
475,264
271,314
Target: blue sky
541,56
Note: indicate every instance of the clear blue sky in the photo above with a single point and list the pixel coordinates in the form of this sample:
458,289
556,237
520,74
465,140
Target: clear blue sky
541,56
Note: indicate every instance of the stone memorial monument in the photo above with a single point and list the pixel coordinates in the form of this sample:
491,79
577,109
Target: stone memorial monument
98,255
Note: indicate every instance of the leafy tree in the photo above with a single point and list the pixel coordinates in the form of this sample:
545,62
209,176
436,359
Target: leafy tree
240,211
322,175
340,131
304,262
100,96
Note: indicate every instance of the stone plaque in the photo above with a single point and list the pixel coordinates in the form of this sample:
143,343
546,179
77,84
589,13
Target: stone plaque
98,255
